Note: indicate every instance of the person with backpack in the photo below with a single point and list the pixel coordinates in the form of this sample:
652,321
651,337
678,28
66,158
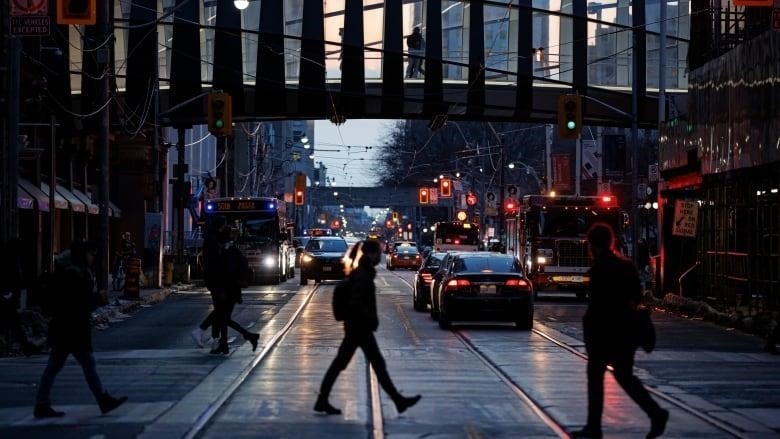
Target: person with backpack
360,322
70,329
415,43
230,275
217,232
607,329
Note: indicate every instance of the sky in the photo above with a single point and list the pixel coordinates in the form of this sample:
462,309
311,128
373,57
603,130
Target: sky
349,150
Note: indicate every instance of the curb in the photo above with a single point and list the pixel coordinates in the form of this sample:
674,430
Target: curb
121,308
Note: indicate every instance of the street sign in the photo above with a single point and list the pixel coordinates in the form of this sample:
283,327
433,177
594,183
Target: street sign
652,172
686,213
30,18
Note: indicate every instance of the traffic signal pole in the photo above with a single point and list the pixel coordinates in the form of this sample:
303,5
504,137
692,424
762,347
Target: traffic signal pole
103,57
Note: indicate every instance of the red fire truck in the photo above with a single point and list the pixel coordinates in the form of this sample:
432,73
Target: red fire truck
551,238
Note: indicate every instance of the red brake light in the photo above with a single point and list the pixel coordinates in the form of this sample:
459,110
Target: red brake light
457,241
454,284
427,277
516,283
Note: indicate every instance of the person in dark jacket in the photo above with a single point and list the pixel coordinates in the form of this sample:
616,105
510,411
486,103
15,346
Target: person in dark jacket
615,294
229,277
359,327
70,330
11,286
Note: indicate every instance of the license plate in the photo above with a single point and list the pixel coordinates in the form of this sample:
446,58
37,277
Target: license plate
567,278
326,268
487,289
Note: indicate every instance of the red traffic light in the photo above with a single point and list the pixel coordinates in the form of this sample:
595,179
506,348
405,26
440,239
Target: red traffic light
471,199
445,188
510,207
424,195
299,197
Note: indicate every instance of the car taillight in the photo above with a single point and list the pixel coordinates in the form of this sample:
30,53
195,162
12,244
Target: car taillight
426,277
455,284
516,283
417,257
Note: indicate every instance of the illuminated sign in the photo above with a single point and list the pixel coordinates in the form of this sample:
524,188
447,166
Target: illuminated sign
238,204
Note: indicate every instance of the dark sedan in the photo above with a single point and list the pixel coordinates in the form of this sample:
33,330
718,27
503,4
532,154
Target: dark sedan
322,259
479,285
422,280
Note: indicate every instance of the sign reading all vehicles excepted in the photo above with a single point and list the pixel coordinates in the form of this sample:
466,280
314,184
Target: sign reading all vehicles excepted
686,213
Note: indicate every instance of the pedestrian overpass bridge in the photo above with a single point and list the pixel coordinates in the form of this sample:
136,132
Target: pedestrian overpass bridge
337,60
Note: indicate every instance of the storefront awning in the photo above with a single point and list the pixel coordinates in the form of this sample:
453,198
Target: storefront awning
91,207
23,199
40,197
114,211
76,205
59,201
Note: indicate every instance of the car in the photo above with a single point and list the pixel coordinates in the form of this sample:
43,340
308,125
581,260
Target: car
476,285
422,280
404,257
322,259
438,275
401,244
299,243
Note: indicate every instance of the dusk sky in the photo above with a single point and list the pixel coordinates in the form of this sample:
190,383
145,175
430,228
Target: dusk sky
349,150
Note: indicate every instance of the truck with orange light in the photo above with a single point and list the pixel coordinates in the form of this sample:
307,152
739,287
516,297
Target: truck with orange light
552,242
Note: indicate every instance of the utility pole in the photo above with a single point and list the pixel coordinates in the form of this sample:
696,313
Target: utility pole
9,213
106,70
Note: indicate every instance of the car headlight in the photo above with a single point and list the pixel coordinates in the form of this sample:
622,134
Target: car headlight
269,261
306,259
541,260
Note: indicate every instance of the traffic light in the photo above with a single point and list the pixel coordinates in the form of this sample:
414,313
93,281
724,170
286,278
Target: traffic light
220,114
445,188
299,197
510,207
424,195
569,116
76,12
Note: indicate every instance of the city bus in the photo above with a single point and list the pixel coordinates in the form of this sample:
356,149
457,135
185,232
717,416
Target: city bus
552,242
259,232
455,235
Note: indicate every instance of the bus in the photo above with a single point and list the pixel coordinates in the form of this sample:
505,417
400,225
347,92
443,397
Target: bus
455,235
259,232
552,242
318,232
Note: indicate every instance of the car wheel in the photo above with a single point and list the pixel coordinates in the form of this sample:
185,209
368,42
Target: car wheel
419,305
391,268
303,281
527,322
444,320
581,295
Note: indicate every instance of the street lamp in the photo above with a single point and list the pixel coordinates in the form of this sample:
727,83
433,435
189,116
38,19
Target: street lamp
241,4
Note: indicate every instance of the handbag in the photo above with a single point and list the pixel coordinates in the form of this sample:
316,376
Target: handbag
644,330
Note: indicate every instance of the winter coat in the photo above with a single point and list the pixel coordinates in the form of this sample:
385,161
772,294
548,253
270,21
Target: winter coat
362,305
615,293
74,299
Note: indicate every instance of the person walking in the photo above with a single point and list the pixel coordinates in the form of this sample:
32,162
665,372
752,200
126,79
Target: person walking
226,270
415,43
11,286
359,326
70,330
615,294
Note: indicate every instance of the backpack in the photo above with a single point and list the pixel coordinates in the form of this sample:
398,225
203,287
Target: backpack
414,41
341,296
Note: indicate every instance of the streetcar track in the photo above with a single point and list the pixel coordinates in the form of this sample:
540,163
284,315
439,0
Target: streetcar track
377,421
548,419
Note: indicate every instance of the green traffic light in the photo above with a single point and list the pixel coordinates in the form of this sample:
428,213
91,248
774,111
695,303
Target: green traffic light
571,125
219,123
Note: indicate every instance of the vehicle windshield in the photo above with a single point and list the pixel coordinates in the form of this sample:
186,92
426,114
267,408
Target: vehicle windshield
486,264
327,245
564,223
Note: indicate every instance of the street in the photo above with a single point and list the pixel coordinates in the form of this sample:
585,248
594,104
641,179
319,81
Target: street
477,380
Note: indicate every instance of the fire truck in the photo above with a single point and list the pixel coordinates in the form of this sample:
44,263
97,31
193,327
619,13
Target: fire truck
551,242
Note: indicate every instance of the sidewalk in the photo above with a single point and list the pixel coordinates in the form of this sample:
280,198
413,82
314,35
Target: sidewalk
119,307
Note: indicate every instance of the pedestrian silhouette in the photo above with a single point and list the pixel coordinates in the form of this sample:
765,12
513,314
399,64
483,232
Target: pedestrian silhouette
11,286
70,330
614,296
225,274
359,325
415,43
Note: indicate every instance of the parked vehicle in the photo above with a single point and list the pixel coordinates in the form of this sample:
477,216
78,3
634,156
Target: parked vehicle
485,284
422,280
